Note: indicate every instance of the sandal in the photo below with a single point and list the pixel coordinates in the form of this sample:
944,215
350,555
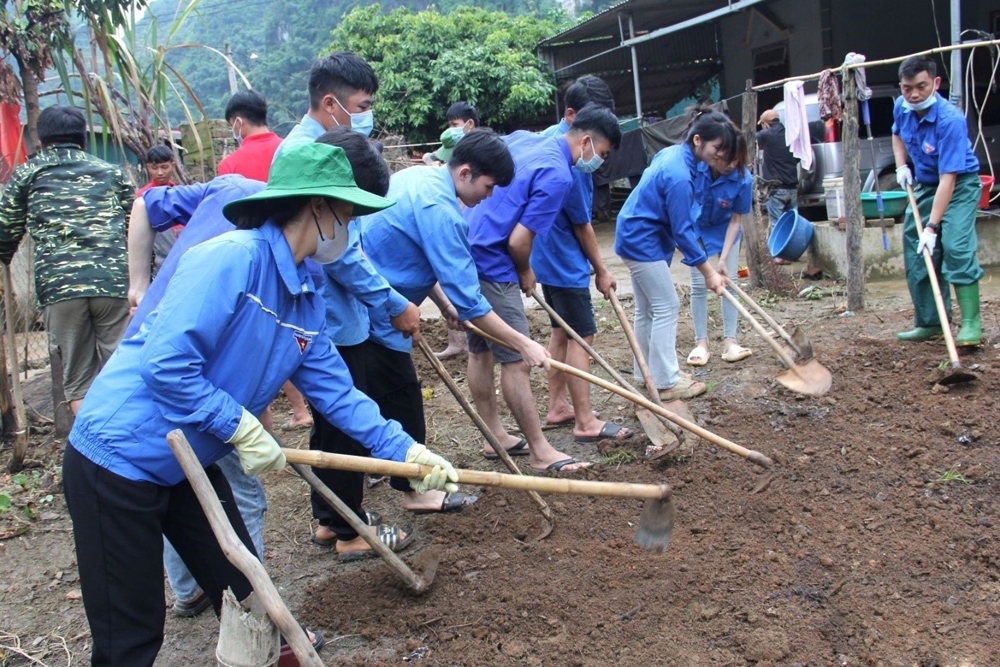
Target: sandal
559,465
608,432
389,536
371,518
699,356
685,388
736,353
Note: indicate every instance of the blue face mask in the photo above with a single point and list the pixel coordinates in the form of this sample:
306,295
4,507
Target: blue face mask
591,165
456,132
926,104
362,122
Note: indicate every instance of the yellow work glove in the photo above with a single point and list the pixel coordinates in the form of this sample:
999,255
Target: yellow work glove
442,478
258,450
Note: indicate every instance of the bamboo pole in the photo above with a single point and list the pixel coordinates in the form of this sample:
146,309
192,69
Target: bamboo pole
20,416
752,226
879,63
852,196
237,553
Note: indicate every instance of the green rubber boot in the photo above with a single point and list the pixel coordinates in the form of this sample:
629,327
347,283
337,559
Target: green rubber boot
972,327
917,334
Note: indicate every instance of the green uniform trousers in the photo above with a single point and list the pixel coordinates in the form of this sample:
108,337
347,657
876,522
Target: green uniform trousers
955,254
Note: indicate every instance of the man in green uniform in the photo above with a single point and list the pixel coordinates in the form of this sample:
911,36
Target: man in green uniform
75,208
932,131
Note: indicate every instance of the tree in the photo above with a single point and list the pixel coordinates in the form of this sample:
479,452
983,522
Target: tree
426,61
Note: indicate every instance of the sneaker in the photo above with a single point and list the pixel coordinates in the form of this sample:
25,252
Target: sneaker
193,607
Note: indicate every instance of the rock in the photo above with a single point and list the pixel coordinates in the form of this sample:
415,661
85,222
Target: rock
74,594
826,561
766,646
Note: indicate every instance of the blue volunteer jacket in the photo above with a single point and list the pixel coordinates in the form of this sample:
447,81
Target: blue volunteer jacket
239,318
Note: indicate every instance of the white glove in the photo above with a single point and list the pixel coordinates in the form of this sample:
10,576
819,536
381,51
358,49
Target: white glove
258,450
928,239
442,478
904,176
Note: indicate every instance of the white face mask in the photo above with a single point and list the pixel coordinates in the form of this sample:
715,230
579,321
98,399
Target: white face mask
330,250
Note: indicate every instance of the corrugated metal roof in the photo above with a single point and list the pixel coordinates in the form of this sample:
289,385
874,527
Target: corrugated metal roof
647,15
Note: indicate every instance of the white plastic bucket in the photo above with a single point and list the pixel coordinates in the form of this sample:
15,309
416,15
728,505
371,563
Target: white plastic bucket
833,192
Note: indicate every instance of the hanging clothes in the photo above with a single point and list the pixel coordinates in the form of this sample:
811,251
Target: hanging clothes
830,104
797,124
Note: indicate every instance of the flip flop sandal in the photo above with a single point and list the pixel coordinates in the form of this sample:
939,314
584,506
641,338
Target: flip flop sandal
452,502
736,353
559,465
571,420
520,449
372,518
608,432
315,638
699,356
389,536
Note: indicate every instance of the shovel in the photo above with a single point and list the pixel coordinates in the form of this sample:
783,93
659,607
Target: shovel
644,415
655,525
642,401
797,341
956,373
811,378
659,431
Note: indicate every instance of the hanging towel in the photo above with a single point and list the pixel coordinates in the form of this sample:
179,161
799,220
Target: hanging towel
829,96
797,124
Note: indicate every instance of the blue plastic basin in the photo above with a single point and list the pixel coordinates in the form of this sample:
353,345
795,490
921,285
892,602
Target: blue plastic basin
790,237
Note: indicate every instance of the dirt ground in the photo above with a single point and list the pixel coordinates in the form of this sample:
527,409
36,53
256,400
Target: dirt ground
872,541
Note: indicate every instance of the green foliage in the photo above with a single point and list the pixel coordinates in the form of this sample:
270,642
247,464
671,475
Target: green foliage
427,60
618,457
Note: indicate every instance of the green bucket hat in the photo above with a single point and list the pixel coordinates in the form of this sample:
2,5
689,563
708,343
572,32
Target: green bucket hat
310,170
448,144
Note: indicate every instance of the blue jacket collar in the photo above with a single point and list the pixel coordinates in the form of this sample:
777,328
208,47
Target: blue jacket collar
314,126
689,158
295,277
564,145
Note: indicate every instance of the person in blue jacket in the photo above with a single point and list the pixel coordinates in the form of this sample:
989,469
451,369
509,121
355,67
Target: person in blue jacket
659,216
932,132
725,193
240,317
421,246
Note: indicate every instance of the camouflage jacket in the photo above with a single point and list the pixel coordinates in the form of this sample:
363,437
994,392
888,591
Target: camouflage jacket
76,209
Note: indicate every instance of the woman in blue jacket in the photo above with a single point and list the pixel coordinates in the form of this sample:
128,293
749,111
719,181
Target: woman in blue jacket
659,216
239,318
725,192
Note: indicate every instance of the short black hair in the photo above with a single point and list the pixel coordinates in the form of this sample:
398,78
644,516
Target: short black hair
599,120
342,74
370,171
159,154
486,154
589,89
463,111
248,105
62,125
914,65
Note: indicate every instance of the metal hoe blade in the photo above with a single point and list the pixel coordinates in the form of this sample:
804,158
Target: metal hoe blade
656,524
811,378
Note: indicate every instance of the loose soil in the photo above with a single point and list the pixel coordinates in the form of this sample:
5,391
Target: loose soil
872,541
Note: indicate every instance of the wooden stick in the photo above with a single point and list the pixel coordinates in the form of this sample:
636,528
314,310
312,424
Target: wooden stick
786,359
949,338
561,485
478,421
601,361
638,399
879,63
647,376
21,428
771,322
409,577
237,553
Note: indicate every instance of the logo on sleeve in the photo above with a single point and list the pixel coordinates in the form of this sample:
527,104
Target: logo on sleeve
928,148
302,339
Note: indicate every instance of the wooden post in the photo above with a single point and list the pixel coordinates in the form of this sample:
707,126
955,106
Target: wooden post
752,244
21,417
9,424
852,196
62,414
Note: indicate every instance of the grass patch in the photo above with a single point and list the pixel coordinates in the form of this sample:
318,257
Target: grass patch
617,457
952,475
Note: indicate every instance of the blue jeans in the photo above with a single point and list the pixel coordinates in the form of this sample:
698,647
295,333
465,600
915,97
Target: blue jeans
250,500
699,299
656,311
781,200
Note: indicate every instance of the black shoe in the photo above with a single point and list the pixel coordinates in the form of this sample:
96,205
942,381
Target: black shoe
193,607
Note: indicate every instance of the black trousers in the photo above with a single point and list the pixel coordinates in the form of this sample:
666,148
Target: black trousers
349,486
118,526
393,384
